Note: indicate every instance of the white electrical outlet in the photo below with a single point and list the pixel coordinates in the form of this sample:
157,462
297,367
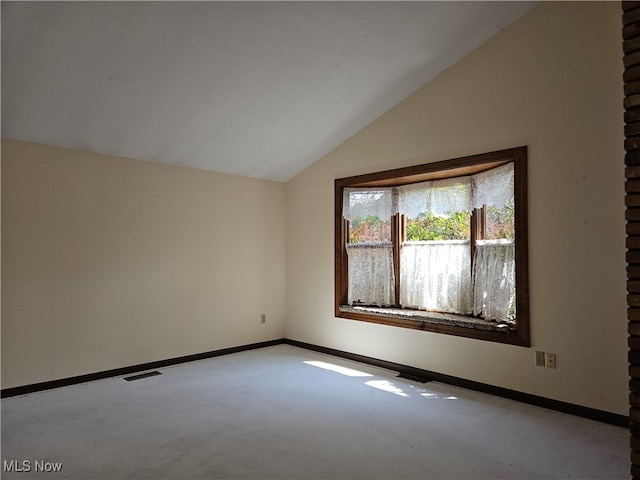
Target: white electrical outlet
263,318
551,360
540,359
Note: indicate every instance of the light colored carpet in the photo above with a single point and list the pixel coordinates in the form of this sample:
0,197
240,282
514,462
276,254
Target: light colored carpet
288,413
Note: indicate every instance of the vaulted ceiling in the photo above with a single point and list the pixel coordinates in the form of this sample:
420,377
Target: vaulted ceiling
260,89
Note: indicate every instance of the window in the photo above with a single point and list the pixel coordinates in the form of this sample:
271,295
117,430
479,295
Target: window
439,247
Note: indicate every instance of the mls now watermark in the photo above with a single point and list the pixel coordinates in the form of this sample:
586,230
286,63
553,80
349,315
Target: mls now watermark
31,466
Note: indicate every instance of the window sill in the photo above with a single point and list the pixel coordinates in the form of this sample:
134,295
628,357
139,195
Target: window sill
451,324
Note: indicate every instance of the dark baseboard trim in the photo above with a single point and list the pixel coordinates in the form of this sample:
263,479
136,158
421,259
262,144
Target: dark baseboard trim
557,405
578,410
117,372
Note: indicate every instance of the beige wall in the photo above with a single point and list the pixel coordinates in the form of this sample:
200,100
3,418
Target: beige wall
109,262
552,81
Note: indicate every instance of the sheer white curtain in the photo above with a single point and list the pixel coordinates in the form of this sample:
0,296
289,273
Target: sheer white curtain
367,202
493,187
370,264
495,279
439,197
371,276
494,265
436,275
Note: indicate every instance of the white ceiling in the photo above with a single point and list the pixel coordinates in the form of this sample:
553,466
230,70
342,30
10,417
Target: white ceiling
260,89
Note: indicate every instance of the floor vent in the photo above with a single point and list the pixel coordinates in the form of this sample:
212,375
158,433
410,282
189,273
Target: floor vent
413,378
142,375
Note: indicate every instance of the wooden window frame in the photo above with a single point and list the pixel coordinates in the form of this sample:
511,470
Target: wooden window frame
435,171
